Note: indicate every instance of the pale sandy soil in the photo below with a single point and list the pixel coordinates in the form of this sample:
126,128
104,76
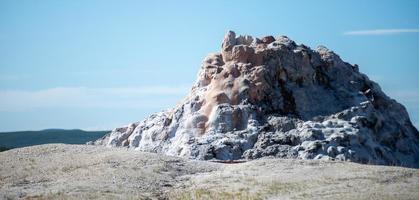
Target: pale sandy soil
60,171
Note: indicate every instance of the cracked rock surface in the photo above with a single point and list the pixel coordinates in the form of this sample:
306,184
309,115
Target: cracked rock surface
273,97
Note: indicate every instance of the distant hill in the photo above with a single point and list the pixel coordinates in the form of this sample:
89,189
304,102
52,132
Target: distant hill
9,140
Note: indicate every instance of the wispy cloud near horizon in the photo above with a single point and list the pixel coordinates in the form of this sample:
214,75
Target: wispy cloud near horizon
84,97
409,99
380,32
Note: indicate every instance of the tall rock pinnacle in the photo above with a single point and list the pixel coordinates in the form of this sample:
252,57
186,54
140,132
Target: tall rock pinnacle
272,97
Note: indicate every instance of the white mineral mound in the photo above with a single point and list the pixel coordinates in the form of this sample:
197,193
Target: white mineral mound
271,97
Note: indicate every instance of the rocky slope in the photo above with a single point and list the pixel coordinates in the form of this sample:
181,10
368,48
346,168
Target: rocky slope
57,171
272,97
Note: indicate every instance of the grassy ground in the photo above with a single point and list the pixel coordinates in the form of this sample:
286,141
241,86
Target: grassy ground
91,172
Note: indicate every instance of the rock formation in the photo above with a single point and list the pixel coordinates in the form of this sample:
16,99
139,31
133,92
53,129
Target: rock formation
272,97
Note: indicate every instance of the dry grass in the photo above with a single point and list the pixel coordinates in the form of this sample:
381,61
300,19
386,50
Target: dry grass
88,172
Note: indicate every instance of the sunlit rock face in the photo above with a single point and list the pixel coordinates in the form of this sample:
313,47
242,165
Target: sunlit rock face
272,97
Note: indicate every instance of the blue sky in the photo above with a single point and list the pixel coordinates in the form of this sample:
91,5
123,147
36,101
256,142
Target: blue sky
102,64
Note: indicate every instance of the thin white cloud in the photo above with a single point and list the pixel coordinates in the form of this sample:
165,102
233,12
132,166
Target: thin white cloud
9,77
83,97
107,126
380,32
376,77
409,97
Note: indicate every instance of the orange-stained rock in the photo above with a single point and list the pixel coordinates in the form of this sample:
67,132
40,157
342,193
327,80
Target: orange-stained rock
273,97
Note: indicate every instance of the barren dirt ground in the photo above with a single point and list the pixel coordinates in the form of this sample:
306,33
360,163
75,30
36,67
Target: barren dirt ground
58,171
